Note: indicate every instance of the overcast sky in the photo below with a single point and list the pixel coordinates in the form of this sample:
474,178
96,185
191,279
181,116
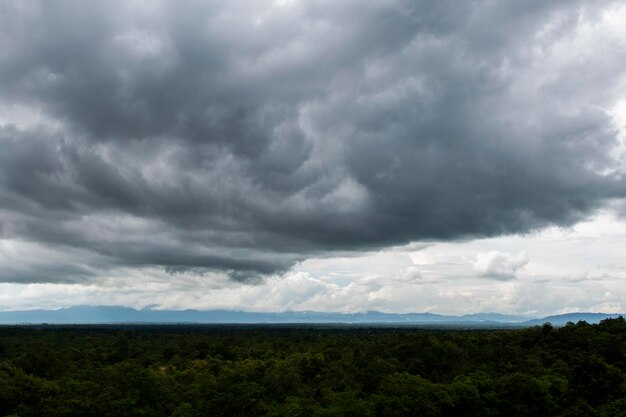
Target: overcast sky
452,157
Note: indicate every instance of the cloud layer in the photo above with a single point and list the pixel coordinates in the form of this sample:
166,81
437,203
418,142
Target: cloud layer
246,136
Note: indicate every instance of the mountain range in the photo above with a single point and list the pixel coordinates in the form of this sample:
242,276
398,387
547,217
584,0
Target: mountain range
119,315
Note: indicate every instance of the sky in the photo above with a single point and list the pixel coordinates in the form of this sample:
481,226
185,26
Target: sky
401,156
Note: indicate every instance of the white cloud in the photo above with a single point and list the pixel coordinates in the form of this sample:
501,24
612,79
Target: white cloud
576,269
499,265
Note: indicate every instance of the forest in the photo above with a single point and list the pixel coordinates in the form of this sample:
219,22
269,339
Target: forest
181,371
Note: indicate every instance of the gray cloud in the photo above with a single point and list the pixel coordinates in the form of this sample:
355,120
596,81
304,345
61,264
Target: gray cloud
244,136
498,265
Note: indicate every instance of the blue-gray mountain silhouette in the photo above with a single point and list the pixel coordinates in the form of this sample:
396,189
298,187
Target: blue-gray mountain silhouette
113,314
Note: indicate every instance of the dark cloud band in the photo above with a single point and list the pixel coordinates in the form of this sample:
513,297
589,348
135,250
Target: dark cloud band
246,136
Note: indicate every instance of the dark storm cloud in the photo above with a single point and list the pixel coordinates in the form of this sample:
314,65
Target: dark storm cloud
245,136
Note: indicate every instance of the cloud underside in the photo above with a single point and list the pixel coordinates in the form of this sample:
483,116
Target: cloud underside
244,137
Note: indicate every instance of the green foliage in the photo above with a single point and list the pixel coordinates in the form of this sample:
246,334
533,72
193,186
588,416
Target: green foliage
189,371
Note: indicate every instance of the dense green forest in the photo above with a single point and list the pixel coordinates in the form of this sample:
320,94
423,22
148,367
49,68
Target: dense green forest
576,370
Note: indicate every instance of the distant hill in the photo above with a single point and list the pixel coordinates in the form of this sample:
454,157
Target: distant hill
562,319
111,314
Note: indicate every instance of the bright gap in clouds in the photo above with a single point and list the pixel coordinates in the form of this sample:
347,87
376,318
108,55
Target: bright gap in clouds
553,271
